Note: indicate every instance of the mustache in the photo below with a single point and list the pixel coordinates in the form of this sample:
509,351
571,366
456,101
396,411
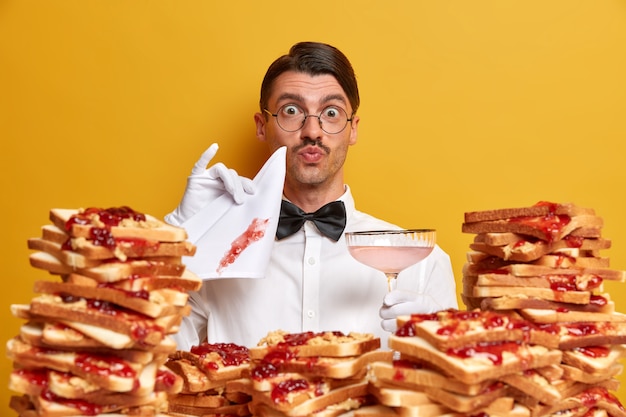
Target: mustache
312,142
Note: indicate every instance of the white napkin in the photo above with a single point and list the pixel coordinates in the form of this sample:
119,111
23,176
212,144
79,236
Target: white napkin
221,226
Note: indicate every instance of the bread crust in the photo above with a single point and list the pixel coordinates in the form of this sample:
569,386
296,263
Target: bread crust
311,344
151,228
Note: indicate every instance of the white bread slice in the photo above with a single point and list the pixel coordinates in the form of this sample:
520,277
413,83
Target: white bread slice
402,374
219,361
596,359
574,297
329,367
83,253
74,335
418,402
585,334
194,380
453,328
550,228
479,367
188,281
155,303
138,327
110,271
202,401
491,264
593,397
565,261
541,208
190,411
576,374
565,282
524,250
559,316
65,408
597,304
534,384
111,373
307,344
151,228
299,404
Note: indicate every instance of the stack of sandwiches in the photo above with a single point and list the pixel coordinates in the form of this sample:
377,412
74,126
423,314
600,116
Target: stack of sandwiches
309,374
466,362
97,336
544,264
205,371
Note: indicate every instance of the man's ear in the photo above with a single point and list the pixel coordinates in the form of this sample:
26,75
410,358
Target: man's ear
259,120
354,124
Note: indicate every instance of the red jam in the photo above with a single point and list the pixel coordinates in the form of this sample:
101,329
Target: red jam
491,351
549,225
594,351
166,378
264,371
38,377
299,339
104,365
581,329
230,353
111,217
284,388
85,408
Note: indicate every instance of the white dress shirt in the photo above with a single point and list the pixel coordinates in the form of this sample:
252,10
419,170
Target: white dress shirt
312,284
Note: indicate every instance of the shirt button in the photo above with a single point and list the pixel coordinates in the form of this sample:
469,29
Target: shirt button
311,261
310,313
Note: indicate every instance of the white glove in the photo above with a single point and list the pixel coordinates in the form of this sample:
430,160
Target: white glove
205,185
401,302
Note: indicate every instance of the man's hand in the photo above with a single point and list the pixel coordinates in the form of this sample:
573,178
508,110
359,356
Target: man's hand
205,185
400,302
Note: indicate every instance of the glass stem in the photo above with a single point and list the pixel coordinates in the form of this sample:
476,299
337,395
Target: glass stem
392,280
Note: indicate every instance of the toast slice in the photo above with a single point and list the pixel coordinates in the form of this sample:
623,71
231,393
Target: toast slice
598,304
138,327
454,328
541,208
527,250
121,222
566,316
188,281
585,334
322,366
309,344
549,228
155,303
195,381
219,361
110,271
594,359
108,372
479,362
411,374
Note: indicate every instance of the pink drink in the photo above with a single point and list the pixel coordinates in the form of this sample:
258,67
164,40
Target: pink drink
389,259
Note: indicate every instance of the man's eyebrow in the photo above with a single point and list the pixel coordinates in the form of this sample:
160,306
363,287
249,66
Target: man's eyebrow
299,98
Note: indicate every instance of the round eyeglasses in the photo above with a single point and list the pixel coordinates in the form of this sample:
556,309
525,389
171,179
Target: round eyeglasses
291,118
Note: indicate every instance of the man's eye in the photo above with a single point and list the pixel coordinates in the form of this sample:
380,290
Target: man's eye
291,110
331,113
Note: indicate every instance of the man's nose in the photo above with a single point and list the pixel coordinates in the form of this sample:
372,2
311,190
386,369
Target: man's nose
311,128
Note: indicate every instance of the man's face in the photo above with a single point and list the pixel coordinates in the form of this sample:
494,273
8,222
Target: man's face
314,157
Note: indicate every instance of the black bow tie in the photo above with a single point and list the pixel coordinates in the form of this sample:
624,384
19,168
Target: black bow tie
330,219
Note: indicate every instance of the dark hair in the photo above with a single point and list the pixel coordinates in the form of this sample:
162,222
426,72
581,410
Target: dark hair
313,58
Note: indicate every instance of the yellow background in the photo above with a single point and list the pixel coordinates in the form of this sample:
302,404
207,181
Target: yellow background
467,105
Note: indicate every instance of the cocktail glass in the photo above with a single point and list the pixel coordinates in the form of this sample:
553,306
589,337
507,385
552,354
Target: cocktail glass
391,251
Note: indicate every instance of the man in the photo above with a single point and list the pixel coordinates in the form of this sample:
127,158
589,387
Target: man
309,100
